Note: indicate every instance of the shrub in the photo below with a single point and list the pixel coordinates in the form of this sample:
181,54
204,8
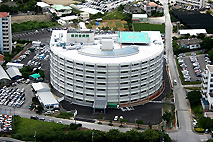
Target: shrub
100,123
110,124
73,126
199,130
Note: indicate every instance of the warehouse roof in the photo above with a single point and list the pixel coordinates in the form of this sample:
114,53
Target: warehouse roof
39,87
13,71
3,74
47,98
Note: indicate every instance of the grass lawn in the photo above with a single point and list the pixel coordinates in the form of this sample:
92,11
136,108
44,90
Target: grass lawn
113,15
110,23
25,128
118,24
149,27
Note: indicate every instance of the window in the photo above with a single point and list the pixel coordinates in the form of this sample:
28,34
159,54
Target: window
87,35
90,77
135,64
89,88
79,75
144,62
79,87
134,87
80,64
79,35
101,78
134,81
69,84
79,70
125,95
90,65
69,61
101,66
69,67
124,66
100,96
83,35
89,82
124,71
134,70
90,71
72,35
101,73
125,83
76,35
101,83
100,89
134,76
124,89
143,85
90,95
125,77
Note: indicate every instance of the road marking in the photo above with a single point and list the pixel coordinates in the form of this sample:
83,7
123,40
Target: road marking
203,137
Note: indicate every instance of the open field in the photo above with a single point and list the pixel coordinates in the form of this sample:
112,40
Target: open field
120,25
63,2
25,18
149,27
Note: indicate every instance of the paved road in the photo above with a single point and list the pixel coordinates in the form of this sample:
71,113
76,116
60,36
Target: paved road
184,133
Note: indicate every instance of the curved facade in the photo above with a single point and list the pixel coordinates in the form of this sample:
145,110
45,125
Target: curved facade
83,77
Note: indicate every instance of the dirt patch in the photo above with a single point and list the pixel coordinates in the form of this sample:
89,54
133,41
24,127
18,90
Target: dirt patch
63,2
25,18
120,25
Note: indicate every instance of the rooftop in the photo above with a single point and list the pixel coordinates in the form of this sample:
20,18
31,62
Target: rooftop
190,41
60,7
139,15
210,67
134,37
125,47
192,31
152,4
4,14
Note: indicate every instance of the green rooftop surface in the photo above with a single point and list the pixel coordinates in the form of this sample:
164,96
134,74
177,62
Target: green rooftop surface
134,37
59,7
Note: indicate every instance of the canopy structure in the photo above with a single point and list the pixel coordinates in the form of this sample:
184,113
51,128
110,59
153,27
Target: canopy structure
100,104
36,75
3,74
47,99
13,72
38,87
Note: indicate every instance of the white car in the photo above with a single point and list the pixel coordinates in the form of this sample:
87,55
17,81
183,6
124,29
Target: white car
116,118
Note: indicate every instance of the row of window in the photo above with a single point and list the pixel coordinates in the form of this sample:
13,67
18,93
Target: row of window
79,35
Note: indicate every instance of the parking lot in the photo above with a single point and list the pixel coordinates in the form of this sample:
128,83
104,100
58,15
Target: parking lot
192,65
12,96
5,123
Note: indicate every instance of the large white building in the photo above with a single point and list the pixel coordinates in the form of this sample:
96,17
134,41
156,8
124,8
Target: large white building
190,4
118,68
207,88
5,33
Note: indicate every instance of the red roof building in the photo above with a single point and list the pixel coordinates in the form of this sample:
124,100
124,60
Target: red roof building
4,14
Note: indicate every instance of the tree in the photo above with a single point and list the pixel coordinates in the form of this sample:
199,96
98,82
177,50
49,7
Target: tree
113,134
150,135
211,55
122,121
201,36
133,136
139,121
207,43
167,116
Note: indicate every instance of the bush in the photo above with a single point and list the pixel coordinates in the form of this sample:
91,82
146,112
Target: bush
110,124
100,123
65,115
73,126
199,130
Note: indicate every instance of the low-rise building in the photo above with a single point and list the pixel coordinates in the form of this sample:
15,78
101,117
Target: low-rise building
44,6
45,97
14,73
151,7
139,18
16,65
1,59
191,43
191,32
132,9
84,16
207,88
67,20
60,10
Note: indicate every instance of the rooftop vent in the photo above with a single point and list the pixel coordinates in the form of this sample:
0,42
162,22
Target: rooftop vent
107,44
